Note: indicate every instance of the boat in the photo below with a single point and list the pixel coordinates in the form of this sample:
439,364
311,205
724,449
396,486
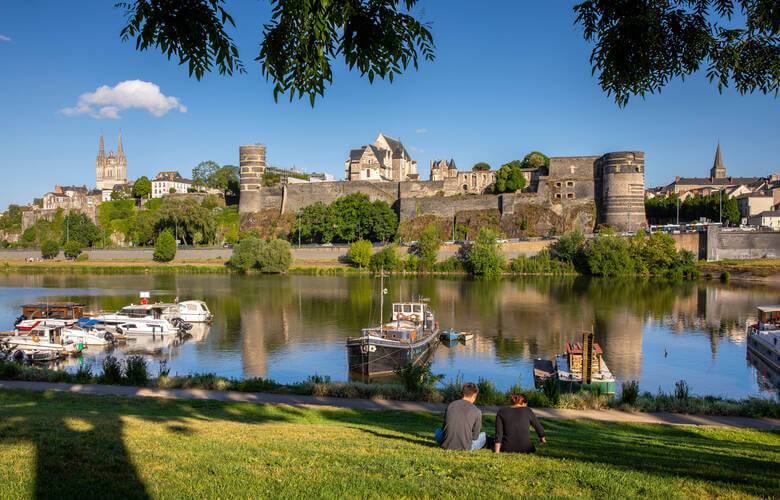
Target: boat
191,311
763,342
48,314
88,332
449,335
466,336
574,371
409,338
43,338
143,318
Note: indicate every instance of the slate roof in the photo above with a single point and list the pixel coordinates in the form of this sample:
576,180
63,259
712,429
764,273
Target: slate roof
724,181
399,151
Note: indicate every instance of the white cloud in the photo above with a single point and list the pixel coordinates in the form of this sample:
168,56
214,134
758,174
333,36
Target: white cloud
422,130
5,38
107,102
416,150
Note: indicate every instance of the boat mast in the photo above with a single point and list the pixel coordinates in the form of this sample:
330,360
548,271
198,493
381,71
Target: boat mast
381,294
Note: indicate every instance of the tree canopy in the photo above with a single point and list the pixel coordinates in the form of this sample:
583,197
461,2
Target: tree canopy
535,159
224,178
639,46
481,167
509,178
142,187
347,219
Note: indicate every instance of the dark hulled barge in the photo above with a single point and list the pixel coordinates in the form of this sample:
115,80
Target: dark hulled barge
409,338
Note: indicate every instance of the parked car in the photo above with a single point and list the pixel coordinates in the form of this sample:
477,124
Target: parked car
502,240
328,244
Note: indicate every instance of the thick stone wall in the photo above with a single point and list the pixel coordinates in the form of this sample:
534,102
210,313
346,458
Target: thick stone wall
621,197
742,245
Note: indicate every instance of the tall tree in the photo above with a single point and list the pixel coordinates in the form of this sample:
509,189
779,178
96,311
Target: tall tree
142,187
639,45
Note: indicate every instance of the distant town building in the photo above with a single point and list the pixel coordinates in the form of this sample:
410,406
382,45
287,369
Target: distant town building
164,182
469,181
71,197
443,169
384,160
112,169
767,219
751,204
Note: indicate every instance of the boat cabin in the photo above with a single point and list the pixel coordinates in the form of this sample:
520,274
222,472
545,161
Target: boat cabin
47,333
768,317
574,357
410,311
53,310
156,311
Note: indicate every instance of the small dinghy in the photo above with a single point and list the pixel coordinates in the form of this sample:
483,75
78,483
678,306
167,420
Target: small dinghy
466,336
450,335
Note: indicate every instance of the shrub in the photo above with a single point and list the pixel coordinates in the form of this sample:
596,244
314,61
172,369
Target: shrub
608,256
163,370
360,253
136,371
629,392
451,265
485,258
552,390
412,263
428,247
244,256
488,394
112,371
274,256
82,257
386,259
418,379
49,249
258,384
725,276
681,390
84,373
165,247
570,248
72,249
452,388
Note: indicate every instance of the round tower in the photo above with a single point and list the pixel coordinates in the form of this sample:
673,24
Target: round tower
622,190
252,165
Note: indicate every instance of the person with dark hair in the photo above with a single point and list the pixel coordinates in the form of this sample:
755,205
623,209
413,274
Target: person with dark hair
462,423
513,427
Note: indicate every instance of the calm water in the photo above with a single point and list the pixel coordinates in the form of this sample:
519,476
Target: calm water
290,327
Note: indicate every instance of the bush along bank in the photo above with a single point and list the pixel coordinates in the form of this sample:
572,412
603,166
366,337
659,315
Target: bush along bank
416,383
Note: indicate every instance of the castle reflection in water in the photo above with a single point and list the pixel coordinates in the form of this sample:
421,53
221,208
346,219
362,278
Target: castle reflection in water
290,327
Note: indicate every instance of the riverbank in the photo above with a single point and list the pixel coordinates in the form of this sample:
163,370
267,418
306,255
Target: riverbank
68,445
764,270
134,372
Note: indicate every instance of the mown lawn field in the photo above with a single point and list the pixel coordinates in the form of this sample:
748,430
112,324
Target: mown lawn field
56,445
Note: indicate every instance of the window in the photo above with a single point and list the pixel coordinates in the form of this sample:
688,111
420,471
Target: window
396,308
558,195
417,309
569,196
557,184
407,308
569,183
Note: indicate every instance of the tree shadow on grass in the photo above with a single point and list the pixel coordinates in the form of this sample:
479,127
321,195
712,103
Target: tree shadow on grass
665,450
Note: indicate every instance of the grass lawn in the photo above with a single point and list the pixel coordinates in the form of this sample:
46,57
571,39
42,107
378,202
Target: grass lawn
73,446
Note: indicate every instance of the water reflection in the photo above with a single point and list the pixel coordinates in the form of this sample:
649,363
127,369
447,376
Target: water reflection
290,327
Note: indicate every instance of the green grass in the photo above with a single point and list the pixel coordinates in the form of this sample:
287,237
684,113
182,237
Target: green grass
74,446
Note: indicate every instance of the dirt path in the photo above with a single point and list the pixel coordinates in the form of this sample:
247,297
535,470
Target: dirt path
371,404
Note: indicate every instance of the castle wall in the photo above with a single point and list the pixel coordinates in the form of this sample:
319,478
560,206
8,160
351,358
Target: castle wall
251,169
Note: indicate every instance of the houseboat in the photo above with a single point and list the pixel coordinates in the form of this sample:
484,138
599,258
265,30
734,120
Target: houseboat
763,342
144,318
48,314
408,339
576,369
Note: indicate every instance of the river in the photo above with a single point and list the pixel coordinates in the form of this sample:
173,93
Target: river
289,327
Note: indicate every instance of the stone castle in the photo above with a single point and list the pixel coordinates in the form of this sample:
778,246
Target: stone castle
578,192
112,169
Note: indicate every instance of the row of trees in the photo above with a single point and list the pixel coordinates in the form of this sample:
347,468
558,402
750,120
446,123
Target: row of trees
715,207
347,219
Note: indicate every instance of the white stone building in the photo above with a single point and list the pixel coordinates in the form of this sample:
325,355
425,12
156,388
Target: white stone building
384,160
164,182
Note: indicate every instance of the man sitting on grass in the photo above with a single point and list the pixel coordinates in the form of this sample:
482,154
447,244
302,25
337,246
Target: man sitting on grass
462,422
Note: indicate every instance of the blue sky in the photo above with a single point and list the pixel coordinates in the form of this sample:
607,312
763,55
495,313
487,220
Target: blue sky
507,80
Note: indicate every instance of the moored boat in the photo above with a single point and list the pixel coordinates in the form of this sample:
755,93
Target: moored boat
449,335
408,339
43,338
48,314
582,365
763,341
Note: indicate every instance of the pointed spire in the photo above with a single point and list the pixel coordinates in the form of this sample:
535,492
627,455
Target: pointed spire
718,171
120,152
101,151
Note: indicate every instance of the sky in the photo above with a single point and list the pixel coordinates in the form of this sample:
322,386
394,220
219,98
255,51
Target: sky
509,78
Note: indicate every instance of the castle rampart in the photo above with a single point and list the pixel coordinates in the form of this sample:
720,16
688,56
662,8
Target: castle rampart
252,167
575,193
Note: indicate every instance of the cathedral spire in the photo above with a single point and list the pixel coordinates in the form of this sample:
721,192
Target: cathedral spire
120,151
101,151
718,171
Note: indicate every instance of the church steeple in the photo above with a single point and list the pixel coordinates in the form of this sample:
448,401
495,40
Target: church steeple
718,171
120,152
101,152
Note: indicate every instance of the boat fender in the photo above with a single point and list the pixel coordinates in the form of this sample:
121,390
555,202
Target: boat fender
108,337
18,356
35,339
372,348
414,317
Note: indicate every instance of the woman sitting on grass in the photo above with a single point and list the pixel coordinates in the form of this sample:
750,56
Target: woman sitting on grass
512,427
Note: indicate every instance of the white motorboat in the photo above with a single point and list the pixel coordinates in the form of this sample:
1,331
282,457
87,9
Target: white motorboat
89,332
43,338
191,311
144,318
